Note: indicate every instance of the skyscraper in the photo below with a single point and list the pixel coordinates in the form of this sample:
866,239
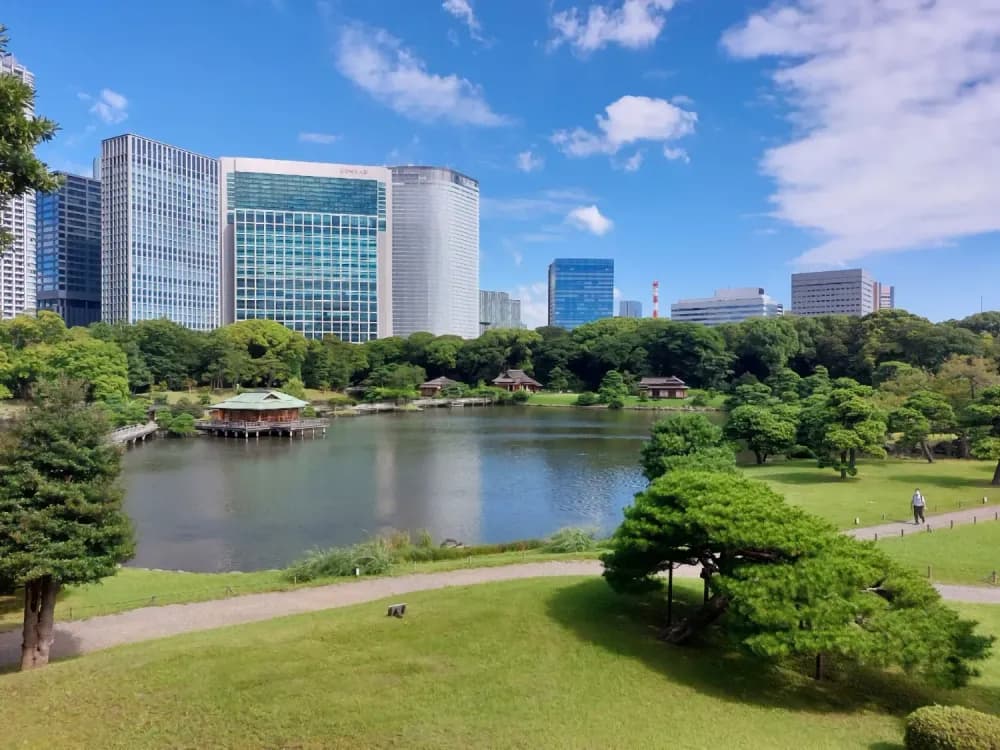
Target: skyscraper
159,233
727,306
69,250
17,217
435,252
630,308
885,296
581,290
308,244
848,292
498,310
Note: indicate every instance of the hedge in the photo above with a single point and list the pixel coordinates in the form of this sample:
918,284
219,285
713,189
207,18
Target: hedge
951,728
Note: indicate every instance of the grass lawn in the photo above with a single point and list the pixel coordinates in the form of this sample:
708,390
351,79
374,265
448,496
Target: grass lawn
312,394
881,487
569,399
544,663
965,554
133,588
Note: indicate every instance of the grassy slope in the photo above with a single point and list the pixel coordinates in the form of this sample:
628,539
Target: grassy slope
132,588
965,554
880,487
541,663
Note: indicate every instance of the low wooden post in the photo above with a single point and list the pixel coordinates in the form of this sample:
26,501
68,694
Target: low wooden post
706,589
973,520
928,527
670,595
876,536
994,577
951,525
928,572
902,531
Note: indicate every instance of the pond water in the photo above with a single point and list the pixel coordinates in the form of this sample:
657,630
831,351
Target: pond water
476,475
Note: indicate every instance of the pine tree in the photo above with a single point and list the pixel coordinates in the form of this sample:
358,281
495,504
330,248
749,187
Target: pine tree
61,518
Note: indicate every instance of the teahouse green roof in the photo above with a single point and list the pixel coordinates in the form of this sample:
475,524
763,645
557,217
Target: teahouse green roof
261,401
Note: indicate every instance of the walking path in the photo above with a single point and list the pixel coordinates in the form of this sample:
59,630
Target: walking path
82,636
978,514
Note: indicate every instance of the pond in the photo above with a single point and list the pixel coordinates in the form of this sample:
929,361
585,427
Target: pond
475,475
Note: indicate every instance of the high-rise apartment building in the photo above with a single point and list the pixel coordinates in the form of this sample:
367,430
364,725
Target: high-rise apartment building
581,290
69,250
846,292
159,233
630,308
435,252
727,306
498,310
885,296
309,245
17,218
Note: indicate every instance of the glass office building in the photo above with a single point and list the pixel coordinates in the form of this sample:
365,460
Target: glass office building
435,252
68,231
159,233
581,290
308,245
17,218
630,308
498,310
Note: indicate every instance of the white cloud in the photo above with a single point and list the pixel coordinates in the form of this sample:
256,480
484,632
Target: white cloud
633,24
324,139
676,154
591,219
633,163
462,10
526,208
528,162
896,106
534,303
110,106
629,120
682,100
378,63
517,256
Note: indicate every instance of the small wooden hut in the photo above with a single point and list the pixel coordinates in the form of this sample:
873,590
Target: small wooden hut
517,380
657,388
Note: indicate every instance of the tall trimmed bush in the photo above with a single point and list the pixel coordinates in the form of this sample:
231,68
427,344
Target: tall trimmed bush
951,728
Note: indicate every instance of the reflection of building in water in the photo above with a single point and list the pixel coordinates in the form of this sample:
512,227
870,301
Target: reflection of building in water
428,477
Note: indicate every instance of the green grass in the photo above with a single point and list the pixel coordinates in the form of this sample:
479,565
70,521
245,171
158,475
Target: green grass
312,394
881,487
133,588
632,402
965,554
545,663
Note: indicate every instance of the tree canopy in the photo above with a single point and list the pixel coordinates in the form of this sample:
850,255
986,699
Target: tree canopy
682,441
784,583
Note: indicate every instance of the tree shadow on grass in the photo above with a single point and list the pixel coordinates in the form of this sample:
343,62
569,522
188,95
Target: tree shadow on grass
949,482
629,627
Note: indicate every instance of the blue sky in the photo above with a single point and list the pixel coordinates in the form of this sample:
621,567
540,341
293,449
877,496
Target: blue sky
702,143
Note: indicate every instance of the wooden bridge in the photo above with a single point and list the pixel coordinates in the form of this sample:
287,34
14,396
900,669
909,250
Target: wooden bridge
133,433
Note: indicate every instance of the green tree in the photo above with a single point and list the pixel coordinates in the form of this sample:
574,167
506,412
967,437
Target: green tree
841,423
171,352
608,344
763,346
20,133
695,353
442,355
613,390
961,379
766,431
294,387
181,425
935,416
275,353
784,583
61,518
983,415
558,380
685,440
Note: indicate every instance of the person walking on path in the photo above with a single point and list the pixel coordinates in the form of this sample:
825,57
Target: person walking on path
918,503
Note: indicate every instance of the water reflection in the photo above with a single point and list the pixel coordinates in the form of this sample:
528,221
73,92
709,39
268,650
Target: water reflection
475,475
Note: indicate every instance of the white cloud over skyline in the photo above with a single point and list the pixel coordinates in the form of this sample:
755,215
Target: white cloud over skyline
590,219
463,11
896,108
324,139
632,24
528,162
109,106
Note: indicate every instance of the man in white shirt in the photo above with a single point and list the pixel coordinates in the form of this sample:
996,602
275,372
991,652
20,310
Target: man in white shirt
918,503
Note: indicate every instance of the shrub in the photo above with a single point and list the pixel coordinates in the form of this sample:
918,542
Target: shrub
181,426
295,388
424,539
951,728
369,558
699,399
186,406
587,398
520,397
571,539
309,411
616,402
205,399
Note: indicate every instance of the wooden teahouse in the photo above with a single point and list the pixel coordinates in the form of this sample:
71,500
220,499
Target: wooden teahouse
517,380
657,388
433,387
260,412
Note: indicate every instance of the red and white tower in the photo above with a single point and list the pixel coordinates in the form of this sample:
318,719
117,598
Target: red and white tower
656,299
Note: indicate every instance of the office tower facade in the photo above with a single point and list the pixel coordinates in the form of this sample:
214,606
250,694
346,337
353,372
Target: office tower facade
498,310
630,308
309,245
727,306
581,290
885,296
435,252
847,292
159,233
68,229
17,218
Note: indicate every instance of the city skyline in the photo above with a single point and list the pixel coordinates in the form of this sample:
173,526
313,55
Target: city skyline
563,173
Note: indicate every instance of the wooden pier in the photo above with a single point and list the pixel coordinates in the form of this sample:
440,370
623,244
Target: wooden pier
246,430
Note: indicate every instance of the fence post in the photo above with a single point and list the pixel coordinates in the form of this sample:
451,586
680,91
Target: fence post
994,577
876,536
902,531
928,527
952,524
973,520
928,572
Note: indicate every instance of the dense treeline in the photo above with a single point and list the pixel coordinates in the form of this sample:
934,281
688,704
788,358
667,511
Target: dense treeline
118,359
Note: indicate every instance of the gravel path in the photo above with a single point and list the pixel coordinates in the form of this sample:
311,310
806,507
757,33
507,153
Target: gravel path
82,636
978,514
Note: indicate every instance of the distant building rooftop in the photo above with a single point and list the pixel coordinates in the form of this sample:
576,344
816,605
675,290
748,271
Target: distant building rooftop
261,401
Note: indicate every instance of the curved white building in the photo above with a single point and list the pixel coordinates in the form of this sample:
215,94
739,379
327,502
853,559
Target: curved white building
435,252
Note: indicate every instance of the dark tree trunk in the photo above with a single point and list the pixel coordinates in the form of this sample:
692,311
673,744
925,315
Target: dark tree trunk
818,674
760,457
964,450
843,465
996,475
853,460
691,626
39,616
927,451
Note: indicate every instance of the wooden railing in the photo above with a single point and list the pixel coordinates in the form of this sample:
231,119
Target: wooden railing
132,432
296,424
